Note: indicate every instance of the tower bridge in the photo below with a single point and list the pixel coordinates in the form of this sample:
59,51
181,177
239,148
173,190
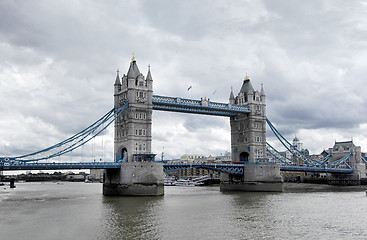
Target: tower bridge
133,135
134,170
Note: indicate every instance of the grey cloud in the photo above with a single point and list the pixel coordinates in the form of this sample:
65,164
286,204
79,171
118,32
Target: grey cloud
197,122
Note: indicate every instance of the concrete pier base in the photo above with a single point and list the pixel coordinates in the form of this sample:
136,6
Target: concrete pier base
134,179
256,178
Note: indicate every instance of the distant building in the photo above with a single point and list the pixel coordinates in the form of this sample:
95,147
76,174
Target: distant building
342,147
191,157
200,158
297,147
224,158
96,175
75,177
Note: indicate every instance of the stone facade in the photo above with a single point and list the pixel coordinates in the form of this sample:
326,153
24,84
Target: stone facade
133,128
248,131
248,145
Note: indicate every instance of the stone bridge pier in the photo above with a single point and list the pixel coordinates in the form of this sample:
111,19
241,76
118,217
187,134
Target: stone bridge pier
134,179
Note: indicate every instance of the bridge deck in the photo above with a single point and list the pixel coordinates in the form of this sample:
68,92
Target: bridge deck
238,168
57,166
314,169
168,167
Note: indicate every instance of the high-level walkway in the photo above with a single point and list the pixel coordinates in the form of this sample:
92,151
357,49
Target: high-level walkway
203,106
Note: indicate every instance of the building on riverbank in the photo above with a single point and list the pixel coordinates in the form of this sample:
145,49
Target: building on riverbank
200,158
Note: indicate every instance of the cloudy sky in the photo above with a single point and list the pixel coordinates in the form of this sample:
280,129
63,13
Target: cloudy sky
58,65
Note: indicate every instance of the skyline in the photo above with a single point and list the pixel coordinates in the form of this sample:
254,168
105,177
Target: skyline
59,65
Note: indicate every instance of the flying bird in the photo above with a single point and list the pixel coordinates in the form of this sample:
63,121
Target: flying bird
215,91
189,88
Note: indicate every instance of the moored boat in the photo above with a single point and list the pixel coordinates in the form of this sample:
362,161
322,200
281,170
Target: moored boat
186,183
169,181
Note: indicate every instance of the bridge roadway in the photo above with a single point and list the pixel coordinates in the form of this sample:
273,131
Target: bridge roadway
168,167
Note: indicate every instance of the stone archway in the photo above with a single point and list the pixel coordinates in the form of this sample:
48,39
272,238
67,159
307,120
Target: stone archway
244,157
122,155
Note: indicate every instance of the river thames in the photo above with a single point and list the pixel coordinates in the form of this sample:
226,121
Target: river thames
79,211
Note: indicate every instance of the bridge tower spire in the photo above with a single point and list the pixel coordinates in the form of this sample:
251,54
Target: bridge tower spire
231,97
117,84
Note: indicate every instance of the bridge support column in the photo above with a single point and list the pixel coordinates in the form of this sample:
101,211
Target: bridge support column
134,179
256,178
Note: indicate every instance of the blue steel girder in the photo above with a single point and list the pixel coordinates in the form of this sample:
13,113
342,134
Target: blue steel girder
57,166
226,168
176,104
315,169
343,160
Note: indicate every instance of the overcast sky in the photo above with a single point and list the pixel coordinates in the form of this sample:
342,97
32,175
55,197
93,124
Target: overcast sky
58,64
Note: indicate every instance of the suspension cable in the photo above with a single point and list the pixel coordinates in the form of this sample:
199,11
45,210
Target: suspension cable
76,140
280,137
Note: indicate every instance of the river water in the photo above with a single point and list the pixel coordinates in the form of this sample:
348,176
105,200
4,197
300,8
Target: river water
79,211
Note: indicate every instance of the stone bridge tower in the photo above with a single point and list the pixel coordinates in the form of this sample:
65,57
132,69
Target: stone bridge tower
133,128
248,145
139,174
248,131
